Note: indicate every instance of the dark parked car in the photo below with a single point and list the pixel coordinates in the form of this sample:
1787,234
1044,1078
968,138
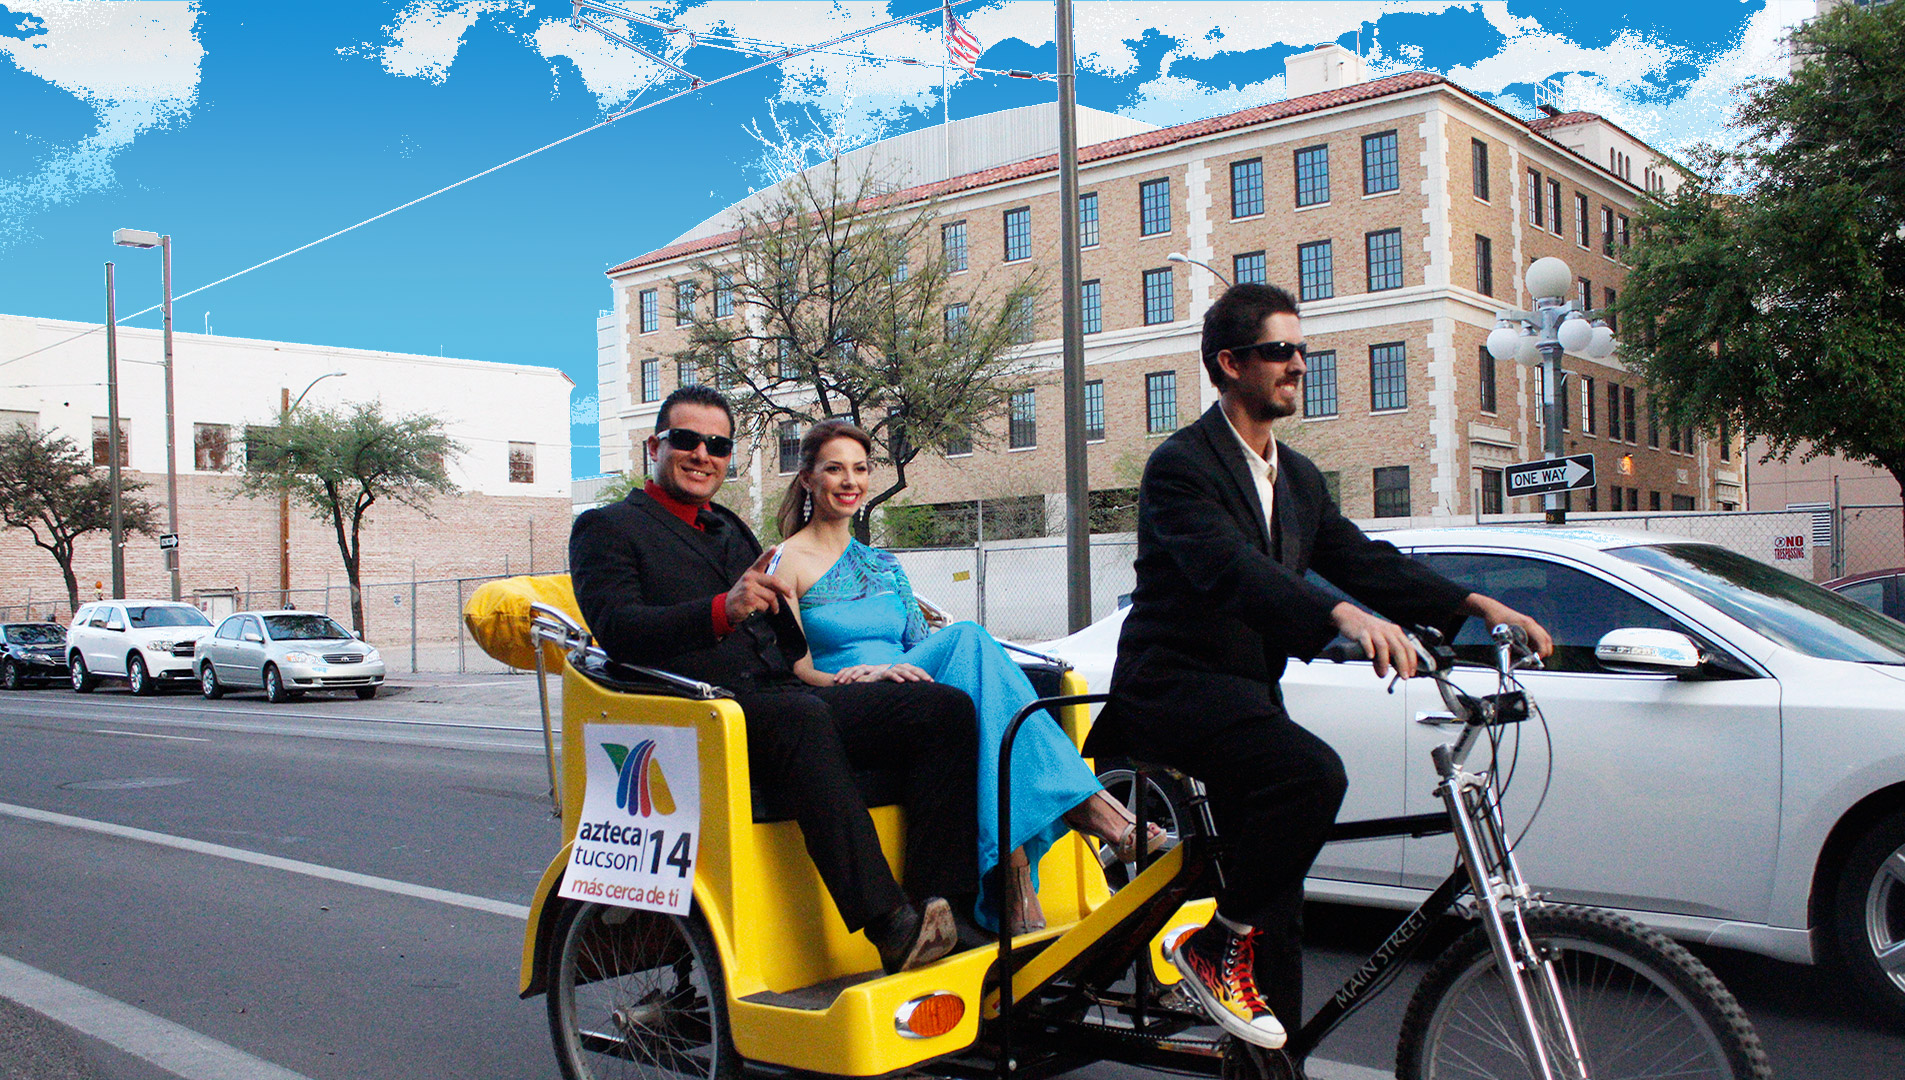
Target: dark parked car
1881,590
35,653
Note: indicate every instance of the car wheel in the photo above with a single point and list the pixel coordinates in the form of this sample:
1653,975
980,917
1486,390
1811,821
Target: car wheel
1868,914
365,693
83,681
10,676
274,686
208,683
138,679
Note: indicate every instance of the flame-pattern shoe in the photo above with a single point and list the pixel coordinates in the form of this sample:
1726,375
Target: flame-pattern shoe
1218,968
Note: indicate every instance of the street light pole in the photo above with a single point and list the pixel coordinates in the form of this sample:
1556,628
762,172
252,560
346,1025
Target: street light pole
118,526
140,238
1071,329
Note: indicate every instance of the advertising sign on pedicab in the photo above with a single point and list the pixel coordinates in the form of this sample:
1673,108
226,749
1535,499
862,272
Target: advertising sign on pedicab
641,813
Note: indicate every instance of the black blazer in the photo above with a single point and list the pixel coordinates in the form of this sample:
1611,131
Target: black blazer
646,583
1220,606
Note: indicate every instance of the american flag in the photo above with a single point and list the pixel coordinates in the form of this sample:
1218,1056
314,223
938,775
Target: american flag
961,47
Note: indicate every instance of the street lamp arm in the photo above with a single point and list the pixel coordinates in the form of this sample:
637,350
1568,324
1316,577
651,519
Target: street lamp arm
307,388
1180,257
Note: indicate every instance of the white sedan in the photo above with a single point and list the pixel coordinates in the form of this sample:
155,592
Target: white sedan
286,653
1756,801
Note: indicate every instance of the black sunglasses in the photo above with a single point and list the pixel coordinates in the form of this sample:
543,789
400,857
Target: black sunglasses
685,440
1279,351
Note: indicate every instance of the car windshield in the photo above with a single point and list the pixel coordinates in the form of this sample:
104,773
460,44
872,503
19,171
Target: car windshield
35,634
304,628
168,615
1789,610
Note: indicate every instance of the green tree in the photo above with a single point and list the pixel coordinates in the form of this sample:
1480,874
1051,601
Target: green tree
836,300
341,462
1768,293
50,488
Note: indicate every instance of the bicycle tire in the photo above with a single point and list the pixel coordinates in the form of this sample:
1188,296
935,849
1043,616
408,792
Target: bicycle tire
638,994
1641,1005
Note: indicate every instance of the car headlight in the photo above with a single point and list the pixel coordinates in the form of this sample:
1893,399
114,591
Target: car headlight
159,646
371,653
299,658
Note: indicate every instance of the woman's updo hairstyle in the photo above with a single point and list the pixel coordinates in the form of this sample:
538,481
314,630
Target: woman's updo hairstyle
796,508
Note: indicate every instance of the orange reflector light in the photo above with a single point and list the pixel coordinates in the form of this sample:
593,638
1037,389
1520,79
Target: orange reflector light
935,1014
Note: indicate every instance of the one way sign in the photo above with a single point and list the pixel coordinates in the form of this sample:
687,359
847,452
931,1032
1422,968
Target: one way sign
1555,474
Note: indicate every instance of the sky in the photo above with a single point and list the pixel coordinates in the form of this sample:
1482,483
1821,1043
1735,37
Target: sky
247,131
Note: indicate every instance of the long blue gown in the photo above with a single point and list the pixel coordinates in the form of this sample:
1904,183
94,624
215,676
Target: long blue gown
862,611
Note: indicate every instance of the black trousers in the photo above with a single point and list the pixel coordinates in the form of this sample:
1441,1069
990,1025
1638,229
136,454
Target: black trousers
804,742
1274,790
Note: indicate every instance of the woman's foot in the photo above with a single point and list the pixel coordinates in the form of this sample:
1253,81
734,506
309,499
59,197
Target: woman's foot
1022,913
1107,819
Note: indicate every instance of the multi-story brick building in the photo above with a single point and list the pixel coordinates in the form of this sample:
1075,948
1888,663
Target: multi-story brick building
1401,210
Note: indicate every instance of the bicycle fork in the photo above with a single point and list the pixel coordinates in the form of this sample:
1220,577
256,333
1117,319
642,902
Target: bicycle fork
1481,836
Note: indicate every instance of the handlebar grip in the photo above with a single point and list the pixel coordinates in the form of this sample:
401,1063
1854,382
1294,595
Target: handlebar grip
1509,634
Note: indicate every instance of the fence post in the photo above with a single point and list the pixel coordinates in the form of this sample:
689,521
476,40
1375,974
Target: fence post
459,626
413,616
1838,531
979,558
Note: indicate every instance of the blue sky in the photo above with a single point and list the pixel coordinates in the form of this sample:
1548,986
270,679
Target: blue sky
247,130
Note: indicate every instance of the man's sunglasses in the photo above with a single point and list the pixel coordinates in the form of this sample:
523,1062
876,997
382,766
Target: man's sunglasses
1279,351
685,440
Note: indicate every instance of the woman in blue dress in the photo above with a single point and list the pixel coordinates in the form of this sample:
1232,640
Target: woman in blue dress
863,623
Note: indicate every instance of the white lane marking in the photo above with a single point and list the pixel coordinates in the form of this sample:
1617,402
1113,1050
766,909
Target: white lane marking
1321,1069
294,866
206,710
147,735
178,1050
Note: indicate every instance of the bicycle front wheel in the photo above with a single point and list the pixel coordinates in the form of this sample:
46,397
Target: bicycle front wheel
1640,1006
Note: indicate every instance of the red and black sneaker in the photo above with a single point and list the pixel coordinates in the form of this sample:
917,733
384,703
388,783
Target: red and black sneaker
1218,969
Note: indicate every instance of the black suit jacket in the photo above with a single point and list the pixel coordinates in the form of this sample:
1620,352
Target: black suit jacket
646,581
1221,605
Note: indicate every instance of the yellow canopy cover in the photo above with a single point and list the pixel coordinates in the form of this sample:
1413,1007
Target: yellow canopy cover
498,616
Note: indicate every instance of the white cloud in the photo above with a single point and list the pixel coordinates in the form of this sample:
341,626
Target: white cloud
427,35
135,65
585,410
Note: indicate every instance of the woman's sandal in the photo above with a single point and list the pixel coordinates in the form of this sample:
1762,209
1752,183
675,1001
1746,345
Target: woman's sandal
1023,915
1124,842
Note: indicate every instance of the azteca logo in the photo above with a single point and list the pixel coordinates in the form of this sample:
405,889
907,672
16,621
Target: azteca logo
640,787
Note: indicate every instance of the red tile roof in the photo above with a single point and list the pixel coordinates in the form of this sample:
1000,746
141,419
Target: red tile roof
1568,119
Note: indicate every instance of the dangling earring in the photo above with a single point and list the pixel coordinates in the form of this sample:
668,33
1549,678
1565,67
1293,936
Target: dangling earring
807,506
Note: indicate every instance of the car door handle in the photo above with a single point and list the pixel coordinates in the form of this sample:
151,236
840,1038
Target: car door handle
1437,719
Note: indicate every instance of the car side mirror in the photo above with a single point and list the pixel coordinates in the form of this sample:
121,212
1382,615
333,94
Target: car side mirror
1651,652
254,637
358,634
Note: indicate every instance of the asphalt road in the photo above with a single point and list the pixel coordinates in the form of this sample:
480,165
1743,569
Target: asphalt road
334,889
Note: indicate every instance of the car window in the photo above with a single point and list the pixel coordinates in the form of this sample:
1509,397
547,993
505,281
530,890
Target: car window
1777,605
115,619
1576,607
145,616
304,627
1870,593
35,634
252,627
230,629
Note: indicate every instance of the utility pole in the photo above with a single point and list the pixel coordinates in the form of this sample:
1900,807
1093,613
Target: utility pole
1077,476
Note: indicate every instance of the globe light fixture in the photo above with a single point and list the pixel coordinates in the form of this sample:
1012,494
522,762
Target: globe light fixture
1503,341
1575,334
1548,278
1602,345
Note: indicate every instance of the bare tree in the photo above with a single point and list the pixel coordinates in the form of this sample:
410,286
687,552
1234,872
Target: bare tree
50,489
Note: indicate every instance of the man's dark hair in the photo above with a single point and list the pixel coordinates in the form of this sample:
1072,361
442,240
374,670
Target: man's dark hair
1236,319
694,394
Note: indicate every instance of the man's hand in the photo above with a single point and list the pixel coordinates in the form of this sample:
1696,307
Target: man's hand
881,672
1494,612
757,592
1386,643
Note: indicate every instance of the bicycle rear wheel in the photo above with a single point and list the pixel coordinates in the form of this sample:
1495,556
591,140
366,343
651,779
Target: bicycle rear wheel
1641,1006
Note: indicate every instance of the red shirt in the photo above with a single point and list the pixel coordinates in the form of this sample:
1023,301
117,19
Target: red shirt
689,513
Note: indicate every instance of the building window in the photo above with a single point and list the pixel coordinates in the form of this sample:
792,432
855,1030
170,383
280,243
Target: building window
1653,500
1091,308
1246,188
1018,234
1607,232
1653,425
1626,240
952,243
1392,491
651,380
723,295
1627,411
685,295
1319,385
1381,164
1315,267
1683,502
1487,380
1313,176
1160,402
1534,197
1022,319
1587,405
1613,411
1095,411
1478,157
1555,221
955,321
522,463
211,447
1484,266
1593,499
1673,438
1608,296
1088,219
1726,440
1022,429
1154,207
1584,298
1385,259
1491,491
651,310
1581,236
958,444
1388,376
1249,269
686,373
1160,302
789,439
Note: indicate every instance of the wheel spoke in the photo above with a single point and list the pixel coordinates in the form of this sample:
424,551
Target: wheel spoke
1891,958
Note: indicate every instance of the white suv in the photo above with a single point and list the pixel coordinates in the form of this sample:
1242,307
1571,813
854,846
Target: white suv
145,642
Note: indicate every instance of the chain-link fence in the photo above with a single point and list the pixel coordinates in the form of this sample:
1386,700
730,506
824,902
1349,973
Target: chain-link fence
1016,588
1800,541
1873,539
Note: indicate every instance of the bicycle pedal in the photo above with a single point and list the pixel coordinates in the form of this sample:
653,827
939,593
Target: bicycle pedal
1167,945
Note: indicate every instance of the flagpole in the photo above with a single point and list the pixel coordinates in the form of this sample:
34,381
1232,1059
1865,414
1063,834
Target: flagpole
945,90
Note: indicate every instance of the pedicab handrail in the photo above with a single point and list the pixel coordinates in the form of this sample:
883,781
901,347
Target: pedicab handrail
1005,837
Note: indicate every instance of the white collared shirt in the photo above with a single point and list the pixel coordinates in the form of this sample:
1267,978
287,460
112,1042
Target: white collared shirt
1261,471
